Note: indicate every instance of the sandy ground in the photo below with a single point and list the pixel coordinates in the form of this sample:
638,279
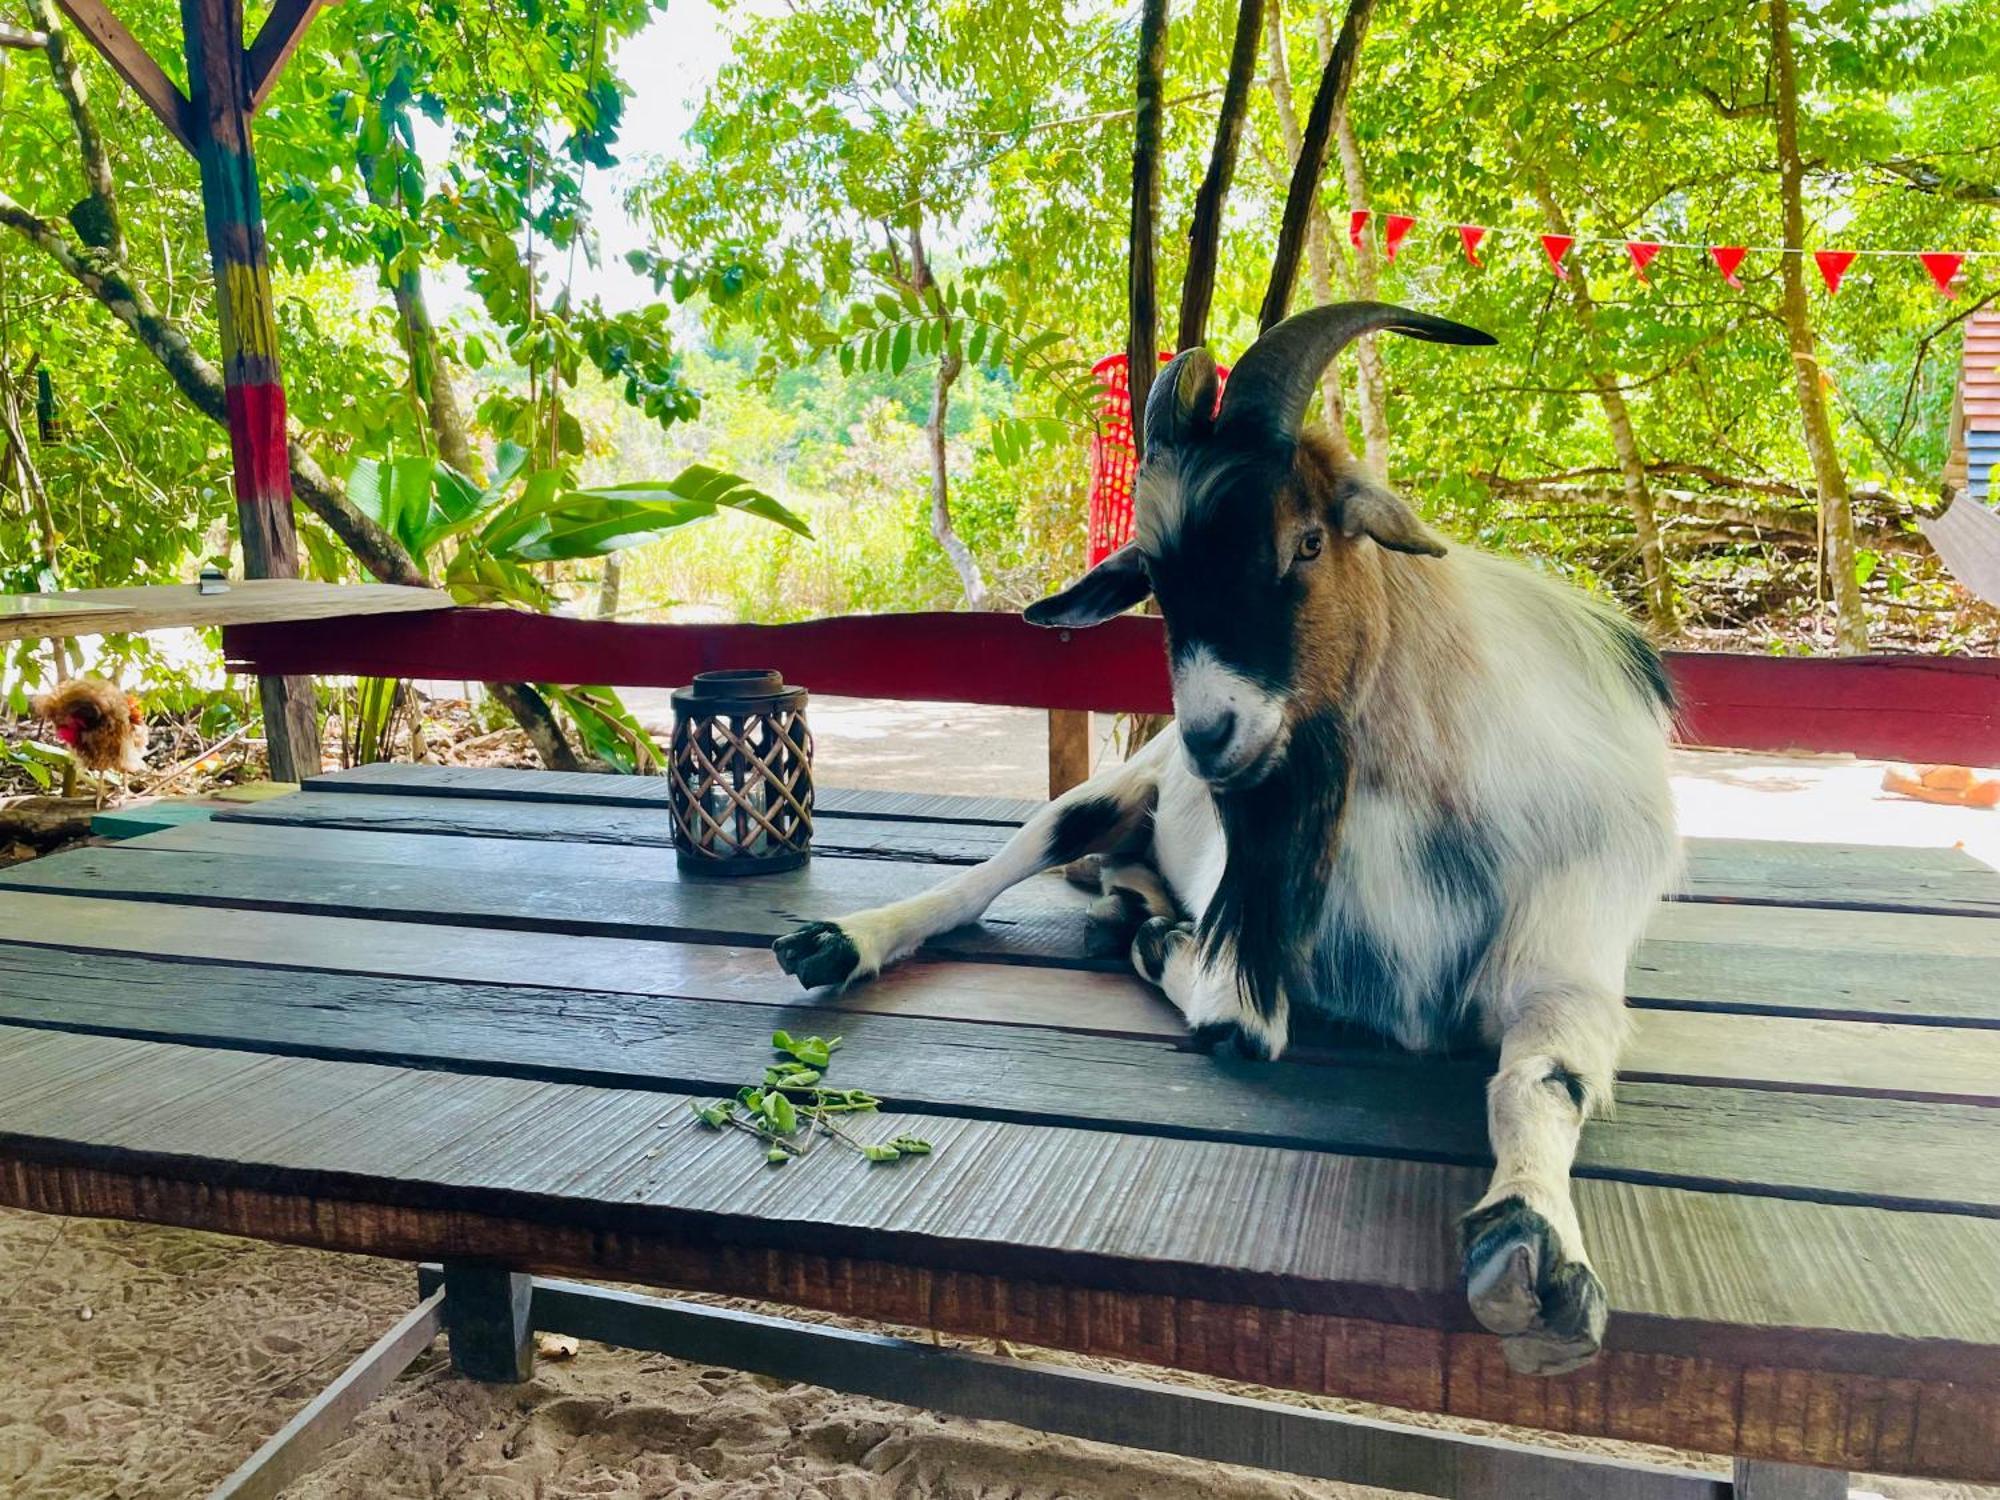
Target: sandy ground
139,1363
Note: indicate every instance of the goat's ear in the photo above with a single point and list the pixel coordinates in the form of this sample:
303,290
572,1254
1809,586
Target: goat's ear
1110,588
1365,508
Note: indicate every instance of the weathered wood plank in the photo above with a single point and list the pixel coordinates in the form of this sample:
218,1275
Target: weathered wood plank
1946,1063
1026,925
1096,1246
1839,965
624,825
604,789
174,606
1748,871
1839,1150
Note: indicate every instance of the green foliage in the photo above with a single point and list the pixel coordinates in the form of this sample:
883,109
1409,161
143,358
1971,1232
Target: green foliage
793,1098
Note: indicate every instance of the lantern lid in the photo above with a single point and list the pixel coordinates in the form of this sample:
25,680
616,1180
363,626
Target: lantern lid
737,690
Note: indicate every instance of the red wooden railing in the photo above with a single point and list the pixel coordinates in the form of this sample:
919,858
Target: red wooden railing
1919,708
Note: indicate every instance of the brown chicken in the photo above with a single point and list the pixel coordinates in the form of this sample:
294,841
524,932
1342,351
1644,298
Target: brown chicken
104,727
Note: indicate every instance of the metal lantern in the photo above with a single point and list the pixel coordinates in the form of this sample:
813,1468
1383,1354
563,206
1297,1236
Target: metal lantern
741,774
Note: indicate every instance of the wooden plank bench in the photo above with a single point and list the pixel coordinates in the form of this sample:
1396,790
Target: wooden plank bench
457,1016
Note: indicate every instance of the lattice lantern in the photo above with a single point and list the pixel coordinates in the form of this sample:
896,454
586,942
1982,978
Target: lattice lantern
741,774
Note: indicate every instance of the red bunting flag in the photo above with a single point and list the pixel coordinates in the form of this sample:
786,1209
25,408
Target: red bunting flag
1642,253
1727,259
1395,228
1471,234
1943,265
1832,265
1556,246
1357,221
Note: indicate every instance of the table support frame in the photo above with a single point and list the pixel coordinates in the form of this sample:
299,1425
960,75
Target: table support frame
490,1312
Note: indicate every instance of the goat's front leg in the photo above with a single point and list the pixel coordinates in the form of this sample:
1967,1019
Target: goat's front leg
1527,1274
1106,813
1206,989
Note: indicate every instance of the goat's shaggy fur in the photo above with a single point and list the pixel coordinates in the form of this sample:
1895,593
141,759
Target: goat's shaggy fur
1417,790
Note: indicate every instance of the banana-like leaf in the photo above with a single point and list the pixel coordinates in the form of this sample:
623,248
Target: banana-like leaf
607,728
715,487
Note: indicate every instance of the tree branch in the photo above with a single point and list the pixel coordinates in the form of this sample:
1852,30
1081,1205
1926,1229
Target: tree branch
1205,230
1334,84
1142,291
201,382
1929,179
96,218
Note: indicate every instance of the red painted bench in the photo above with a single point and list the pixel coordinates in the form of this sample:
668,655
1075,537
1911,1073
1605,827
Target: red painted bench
1916,708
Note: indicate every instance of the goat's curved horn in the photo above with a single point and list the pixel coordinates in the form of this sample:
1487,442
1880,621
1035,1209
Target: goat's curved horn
1181,404
1271,387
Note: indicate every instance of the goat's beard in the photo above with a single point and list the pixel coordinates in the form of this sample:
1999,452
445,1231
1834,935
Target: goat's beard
1281,836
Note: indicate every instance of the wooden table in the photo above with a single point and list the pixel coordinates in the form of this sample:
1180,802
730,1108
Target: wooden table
178,606
457,1015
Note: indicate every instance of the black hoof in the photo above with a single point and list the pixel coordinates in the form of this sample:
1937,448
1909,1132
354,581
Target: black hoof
1548,1310
816,954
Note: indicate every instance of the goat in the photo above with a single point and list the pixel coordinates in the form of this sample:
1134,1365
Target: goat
1418,790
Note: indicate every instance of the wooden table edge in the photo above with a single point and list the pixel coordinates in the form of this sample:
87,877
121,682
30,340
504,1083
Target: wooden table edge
1927,1409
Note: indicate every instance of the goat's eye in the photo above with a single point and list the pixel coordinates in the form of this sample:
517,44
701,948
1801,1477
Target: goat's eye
1310,545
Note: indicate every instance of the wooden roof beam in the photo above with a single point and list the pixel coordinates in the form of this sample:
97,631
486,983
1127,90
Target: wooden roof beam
277,39
133,63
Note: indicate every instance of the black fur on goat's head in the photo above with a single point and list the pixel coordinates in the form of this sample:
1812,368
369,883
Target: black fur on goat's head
1262,545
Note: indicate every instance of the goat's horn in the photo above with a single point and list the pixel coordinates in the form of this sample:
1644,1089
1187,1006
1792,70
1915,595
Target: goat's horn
1181,403
1271,387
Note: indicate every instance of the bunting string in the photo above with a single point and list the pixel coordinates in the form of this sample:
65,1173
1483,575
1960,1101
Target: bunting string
1941,266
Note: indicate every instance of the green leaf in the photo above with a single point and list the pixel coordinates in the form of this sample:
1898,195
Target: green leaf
473,348
882,1152
899,352
780,1113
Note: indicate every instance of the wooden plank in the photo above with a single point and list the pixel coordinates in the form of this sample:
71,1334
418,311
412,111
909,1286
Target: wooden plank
1023,926
1741,871
1887,706
291,1450
133,63
606,789
1108,1408
1839,965
1929,1156
1953,1064
175,606
1098,1246
277,39
645,827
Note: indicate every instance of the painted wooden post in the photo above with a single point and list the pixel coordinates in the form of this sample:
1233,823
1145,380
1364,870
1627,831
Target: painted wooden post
219,92
1069,749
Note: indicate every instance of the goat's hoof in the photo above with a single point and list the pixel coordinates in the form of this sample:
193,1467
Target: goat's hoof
817,953
1154,943
1548,1310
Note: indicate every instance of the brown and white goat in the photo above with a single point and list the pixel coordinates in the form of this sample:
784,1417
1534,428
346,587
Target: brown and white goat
1418,790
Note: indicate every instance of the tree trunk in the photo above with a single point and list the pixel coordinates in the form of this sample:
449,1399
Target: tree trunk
531,712
430,373
1205,231
608,587
1372,385
1836,511
1638,494
1319,233
1335,81
950,363
962,560
1142,292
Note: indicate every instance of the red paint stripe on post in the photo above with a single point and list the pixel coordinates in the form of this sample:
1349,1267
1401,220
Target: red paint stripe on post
257,443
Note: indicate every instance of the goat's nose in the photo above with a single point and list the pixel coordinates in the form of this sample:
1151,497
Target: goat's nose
1207,740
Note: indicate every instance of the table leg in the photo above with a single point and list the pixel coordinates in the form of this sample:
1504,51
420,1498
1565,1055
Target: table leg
486,1318
1758,1480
